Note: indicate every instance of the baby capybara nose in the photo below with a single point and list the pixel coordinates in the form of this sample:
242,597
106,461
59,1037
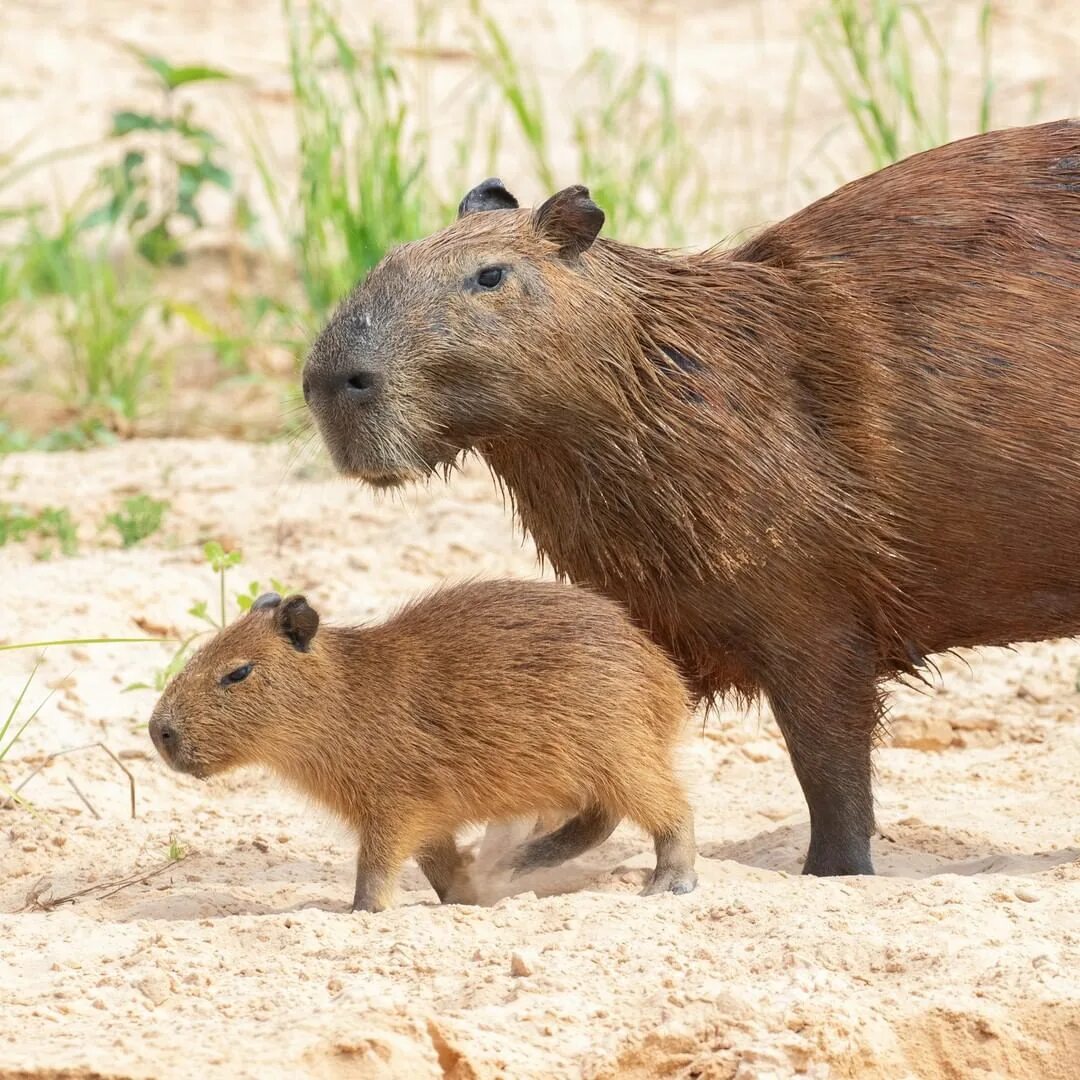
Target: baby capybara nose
164,737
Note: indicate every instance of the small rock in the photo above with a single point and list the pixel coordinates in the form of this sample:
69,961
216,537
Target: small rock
1029,896
155,987
522,963
922,733
260,843
334,985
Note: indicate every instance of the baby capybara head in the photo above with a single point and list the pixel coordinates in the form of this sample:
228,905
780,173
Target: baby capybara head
491,327
234,701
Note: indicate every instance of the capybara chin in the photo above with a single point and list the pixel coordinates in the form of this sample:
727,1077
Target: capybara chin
486,701
803,464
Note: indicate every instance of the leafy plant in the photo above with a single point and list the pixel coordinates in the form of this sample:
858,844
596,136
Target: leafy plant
220,562
47,524
169,159
139,517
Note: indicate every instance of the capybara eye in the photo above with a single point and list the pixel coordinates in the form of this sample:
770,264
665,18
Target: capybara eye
489,277
238,675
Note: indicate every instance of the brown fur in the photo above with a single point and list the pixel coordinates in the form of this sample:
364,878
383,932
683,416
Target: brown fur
481,702
804,464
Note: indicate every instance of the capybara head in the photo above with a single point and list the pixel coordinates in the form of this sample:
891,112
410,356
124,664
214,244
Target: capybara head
234,700
486,329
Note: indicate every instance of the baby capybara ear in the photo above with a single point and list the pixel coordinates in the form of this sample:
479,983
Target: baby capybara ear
297,621
267,600
570,220
489,194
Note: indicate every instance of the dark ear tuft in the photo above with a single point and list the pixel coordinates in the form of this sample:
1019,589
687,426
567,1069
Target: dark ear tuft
297,621
489,194
570,220
267,600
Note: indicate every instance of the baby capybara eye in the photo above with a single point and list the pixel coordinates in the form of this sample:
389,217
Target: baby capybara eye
236,675
489,277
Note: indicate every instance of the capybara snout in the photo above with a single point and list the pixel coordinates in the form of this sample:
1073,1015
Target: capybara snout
487,701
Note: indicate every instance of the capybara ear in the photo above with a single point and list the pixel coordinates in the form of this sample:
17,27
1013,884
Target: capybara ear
296,621
489,194
570,219
267,600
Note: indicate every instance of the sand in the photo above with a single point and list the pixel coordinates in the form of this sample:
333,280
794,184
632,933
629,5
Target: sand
242,959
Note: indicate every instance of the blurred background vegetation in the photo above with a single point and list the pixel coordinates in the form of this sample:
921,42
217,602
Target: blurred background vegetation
193,266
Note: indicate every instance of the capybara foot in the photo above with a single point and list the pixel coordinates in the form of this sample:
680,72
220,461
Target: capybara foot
841,858
576,836
671,880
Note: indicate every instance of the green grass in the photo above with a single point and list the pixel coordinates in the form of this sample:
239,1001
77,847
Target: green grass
364,183
139,517
871,52
40,528
8,741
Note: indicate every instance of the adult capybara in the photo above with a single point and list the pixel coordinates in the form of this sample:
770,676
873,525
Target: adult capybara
481,702
803,464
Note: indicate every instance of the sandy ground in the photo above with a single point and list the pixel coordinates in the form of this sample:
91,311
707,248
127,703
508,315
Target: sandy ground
242,960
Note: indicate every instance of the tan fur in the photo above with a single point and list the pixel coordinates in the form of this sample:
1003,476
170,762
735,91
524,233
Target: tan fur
486,701
804,464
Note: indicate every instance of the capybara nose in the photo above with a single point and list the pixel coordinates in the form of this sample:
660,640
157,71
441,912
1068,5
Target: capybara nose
164,736
354,387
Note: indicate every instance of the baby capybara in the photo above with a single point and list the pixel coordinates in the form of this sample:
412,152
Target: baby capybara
803,464
485,701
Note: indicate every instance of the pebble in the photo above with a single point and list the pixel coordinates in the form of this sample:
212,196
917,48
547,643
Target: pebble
155,987
522,963
1029,896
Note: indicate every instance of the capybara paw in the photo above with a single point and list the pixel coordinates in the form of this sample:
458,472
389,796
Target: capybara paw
679,882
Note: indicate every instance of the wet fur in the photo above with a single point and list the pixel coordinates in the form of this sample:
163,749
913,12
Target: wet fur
804,464
481,702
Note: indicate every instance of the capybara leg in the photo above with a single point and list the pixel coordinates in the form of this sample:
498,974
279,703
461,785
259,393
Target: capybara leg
591,827
447,871
675,855
378,864
830,733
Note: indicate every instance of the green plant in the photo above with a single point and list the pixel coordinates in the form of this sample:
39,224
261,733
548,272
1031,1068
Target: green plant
78,436
139,517
103,317
6,742
363,184
871,52
177,849
47,524
156,183
220,562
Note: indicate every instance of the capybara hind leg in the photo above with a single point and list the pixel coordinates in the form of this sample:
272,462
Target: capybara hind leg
447,870
591,827
675,856
829,732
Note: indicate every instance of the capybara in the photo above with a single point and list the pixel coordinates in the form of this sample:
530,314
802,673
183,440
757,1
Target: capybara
803,464
484,701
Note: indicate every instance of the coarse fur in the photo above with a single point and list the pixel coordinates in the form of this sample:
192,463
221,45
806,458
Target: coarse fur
804,464
484,701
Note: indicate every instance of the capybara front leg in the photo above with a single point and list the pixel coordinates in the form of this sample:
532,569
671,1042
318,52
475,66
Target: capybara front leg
378,863
829,732
445,868
591,827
